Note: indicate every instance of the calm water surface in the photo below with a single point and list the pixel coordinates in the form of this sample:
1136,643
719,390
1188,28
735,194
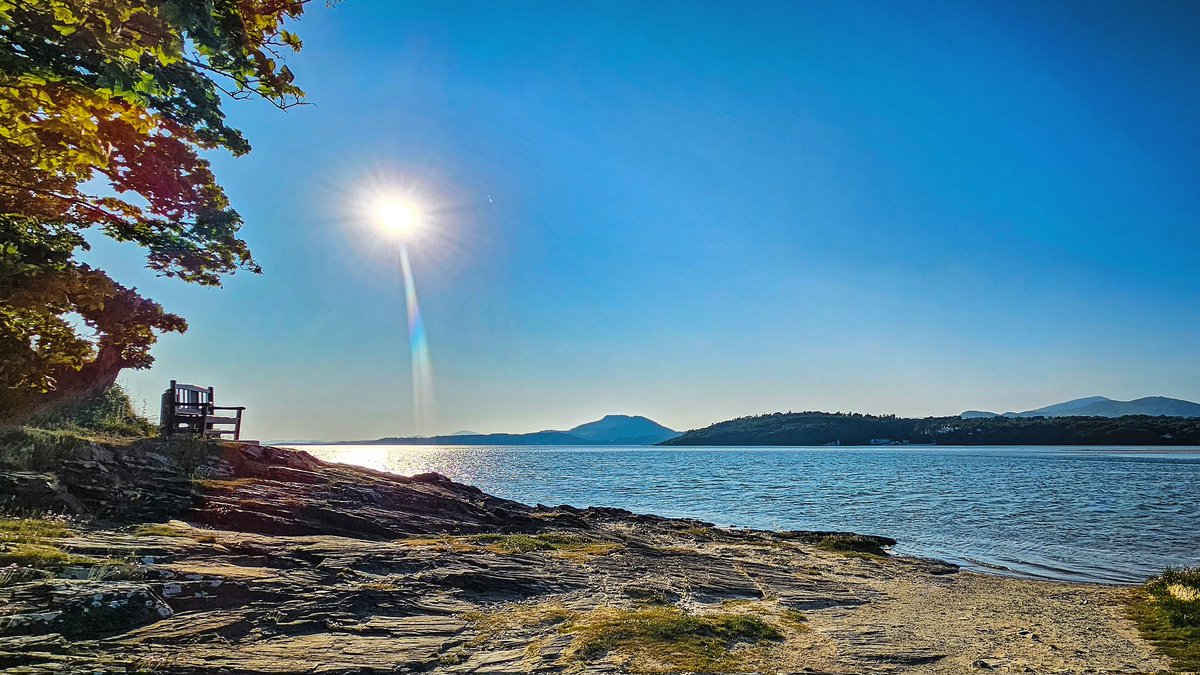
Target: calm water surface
1103,514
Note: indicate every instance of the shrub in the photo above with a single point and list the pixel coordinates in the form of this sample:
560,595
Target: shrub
1167,611
1177,592
111,412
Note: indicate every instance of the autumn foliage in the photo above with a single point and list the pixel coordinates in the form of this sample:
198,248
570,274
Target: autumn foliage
105,109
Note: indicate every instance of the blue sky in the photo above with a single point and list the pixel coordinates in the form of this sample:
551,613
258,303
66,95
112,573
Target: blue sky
700,210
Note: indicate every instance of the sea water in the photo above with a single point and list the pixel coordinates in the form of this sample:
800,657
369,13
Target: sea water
1114,515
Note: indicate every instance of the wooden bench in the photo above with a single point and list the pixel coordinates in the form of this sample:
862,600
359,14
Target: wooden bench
189,409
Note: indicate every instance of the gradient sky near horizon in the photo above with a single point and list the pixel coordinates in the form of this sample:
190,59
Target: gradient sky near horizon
700,210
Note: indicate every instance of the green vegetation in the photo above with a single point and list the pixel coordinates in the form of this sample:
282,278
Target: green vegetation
31,529
562,544
26,542
666,639
27,449
650,638
43,450
570,545
108,111
108,418
818,428
159,530
1167,611
111,413
40,555
851,543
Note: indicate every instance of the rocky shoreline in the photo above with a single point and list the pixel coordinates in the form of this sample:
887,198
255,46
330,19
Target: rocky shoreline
194,558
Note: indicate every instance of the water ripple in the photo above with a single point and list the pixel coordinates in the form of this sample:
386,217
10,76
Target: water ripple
1103,515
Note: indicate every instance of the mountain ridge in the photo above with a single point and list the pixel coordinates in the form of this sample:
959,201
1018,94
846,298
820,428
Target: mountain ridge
608,430
1102,406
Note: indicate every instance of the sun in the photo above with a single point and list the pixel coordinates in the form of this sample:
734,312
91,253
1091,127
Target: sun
397,217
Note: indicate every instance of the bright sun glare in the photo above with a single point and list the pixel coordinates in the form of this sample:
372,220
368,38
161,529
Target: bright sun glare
396,216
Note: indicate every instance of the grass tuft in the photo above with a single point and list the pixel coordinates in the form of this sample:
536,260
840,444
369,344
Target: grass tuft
26,542
1167,612
562,544
667,639
159,530
41,556
28,530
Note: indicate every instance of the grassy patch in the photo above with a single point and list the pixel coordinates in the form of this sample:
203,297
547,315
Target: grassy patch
26,542
28,449
40,556
159,530
645,639
1167,612
110,413
28,530
851,544
667,639
564,545
45,450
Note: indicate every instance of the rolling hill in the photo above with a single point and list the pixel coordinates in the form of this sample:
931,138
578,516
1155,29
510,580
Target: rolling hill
819,428
609,430
1100,406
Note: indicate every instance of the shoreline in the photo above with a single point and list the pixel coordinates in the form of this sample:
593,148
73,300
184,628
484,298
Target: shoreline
269,560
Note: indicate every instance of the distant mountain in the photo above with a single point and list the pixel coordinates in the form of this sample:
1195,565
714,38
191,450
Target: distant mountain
535,438
1100,406
609,430
624,430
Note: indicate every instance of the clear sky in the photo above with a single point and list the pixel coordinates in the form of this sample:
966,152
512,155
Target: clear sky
700,210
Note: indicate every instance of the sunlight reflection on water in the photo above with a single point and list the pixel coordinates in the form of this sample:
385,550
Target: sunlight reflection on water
1111,514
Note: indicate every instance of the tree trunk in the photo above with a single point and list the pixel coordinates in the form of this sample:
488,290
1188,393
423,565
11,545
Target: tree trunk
71,388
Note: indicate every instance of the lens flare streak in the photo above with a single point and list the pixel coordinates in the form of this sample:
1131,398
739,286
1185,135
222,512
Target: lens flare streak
418,341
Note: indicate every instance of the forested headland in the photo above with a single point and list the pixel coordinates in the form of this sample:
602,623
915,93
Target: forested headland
820,428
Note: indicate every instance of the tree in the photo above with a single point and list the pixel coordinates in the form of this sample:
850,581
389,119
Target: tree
105,109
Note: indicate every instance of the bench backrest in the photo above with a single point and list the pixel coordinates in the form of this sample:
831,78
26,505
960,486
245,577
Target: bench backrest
189,398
